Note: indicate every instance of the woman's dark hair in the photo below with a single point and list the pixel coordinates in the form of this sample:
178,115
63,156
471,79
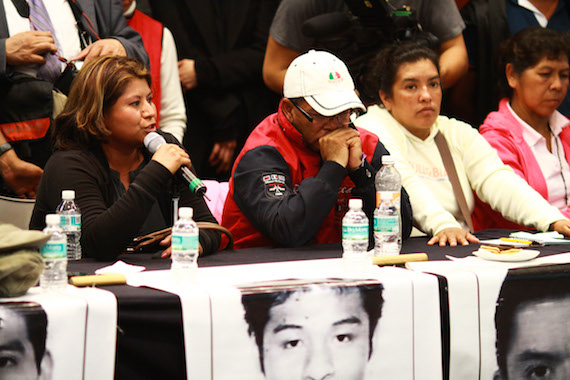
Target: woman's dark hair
383,67
95,89
527,48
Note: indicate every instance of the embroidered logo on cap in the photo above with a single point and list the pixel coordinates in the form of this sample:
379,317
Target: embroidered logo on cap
334,76
335,79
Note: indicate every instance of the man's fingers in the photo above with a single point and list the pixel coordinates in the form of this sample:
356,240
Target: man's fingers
36,59
93,53
81,56
215,151
214,160
44,47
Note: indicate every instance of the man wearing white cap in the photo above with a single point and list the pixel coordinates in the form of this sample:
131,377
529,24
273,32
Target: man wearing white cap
291,182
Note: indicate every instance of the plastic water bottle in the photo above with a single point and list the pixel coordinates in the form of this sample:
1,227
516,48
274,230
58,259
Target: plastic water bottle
388,180
70,219
54,253
355,236
387,236
184,247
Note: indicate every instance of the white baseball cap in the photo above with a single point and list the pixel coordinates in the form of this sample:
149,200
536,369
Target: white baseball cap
323,81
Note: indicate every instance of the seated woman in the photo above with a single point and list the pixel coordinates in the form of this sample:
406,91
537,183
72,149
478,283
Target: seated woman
122,190
407,122
527,131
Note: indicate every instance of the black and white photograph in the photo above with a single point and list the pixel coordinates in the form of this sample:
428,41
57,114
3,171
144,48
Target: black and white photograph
23,334
507,321
532,321
325,328
61,335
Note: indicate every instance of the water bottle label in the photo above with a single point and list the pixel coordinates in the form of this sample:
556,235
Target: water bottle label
185,243
386,224
54,250
70,222
355,233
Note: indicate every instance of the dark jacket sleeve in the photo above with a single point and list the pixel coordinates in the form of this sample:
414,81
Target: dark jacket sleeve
292,218
112,24
3,64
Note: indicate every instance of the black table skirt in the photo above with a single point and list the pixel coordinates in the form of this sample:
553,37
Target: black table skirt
150,342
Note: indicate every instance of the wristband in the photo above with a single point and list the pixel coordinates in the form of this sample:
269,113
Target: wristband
4,148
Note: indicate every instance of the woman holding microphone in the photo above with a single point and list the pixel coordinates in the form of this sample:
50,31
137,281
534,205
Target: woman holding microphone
123,191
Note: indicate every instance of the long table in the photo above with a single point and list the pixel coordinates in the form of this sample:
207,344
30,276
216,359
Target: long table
150,338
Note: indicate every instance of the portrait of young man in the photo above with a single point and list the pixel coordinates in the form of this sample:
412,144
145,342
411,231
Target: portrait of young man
532,322
315,331
23,331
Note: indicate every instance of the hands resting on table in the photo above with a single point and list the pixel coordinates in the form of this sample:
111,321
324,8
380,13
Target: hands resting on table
455,236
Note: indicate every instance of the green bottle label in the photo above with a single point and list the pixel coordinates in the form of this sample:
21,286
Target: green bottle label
54,250
355,233
386,224
185,243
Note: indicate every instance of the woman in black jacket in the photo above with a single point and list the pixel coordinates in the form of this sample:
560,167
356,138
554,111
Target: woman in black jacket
123,191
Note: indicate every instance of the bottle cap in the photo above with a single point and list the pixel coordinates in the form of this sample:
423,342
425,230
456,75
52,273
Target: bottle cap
355,204
52,219
387,159
68,195
185,212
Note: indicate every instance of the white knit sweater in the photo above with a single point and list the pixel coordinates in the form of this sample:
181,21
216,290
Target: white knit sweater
478,166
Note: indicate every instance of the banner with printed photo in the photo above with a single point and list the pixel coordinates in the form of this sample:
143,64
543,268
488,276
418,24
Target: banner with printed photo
69,334
299,329
525,323
506,320
405,341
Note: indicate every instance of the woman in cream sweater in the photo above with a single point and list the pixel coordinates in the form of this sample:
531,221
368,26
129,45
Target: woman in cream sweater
407,121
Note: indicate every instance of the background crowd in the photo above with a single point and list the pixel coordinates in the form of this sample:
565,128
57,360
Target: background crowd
490,76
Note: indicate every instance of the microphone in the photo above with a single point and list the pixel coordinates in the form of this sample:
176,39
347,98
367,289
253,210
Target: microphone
325,25
153,141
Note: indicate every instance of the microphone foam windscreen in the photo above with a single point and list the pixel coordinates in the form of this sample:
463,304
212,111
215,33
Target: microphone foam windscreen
153,141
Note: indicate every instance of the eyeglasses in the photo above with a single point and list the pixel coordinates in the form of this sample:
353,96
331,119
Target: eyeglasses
344,118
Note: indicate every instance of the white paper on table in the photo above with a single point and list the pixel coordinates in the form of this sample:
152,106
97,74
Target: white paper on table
120,267
470,261
550,237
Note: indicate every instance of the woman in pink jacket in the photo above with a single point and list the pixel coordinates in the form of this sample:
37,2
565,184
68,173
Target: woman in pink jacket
527,131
